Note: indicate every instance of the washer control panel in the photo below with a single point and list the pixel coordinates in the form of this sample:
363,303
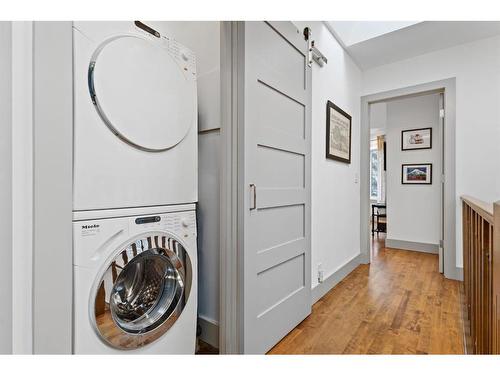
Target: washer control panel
147,220
182,224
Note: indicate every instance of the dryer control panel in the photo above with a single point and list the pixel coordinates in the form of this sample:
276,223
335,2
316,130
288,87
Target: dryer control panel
185,57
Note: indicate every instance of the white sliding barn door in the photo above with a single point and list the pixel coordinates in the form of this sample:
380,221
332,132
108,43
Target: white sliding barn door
275,182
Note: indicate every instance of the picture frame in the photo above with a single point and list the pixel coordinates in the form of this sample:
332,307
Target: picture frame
416,174
338,133
385,155
416,139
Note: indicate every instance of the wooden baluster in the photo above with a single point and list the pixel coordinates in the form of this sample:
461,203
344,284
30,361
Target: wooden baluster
475,291
477,254
469,268
490,286
465,234
486,288
481,286
477,249
467,271
496,276
472,294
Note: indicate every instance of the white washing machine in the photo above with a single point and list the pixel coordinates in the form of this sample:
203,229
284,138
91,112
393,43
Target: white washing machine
135,281
135,117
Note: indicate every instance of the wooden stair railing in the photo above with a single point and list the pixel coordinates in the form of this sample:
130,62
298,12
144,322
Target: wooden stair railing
496,279
481,260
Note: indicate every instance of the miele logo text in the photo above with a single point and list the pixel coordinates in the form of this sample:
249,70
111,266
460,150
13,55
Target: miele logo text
90,226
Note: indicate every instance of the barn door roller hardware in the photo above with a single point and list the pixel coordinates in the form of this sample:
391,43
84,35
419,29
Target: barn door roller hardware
313,53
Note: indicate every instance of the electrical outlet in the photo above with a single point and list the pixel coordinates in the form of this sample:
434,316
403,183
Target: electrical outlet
320,273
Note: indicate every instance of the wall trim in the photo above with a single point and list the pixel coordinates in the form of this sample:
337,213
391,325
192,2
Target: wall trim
230,241
459,274
22,187
209,331
422,247
364,258
52,187
321,289
6,194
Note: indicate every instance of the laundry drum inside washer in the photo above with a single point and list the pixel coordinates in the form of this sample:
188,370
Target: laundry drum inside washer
142,292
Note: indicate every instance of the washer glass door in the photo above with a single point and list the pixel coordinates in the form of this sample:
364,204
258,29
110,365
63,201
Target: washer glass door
142,291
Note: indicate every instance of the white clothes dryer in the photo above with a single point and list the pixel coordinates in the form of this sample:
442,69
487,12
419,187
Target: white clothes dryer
135,117
135,281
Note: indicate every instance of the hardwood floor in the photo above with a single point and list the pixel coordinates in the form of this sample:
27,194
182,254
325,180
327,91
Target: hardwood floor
205,348
400,304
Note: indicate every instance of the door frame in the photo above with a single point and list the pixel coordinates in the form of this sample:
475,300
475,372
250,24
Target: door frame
450,204
6,172
231,47
42,187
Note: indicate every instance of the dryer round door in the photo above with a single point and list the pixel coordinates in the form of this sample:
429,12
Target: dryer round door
142,292
144,92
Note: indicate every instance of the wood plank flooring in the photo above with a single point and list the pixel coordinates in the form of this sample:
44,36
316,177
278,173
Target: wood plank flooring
400,304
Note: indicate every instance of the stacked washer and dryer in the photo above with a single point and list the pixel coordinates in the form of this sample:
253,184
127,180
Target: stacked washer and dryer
134,190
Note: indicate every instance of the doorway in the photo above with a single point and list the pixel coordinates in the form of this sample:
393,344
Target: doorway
405,158
439,165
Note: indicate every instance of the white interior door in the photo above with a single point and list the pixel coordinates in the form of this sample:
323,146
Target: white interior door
275,182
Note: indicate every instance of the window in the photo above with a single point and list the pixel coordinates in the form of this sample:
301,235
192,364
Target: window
374,171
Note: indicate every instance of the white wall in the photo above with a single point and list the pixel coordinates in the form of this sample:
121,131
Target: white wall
378,119
5,188
476,67
413,211
209,226
203,38
335,191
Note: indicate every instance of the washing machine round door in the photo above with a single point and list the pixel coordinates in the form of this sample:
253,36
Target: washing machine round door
144,90
142,292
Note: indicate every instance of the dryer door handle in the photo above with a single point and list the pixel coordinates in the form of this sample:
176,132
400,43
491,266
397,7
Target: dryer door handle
90,78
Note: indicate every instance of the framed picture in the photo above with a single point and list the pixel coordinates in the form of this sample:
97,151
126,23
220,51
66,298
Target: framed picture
416,174
385,156
338,134
416,139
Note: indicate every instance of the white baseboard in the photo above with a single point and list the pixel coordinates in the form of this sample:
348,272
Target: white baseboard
457,275
364,258
321,289
209,331
413,246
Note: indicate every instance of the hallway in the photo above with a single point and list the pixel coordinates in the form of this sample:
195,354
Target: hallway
400,305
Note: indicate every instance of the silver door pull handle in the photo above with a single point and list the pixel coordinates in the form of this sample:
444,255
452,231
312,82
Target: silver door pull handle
253,189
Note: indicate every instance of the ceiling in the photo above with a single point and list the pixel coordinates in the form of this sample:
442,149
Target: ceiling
353,32
375,43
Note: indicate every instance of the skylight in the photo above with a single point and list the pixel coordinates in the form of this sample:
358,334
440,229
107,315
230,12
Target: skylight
352,32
